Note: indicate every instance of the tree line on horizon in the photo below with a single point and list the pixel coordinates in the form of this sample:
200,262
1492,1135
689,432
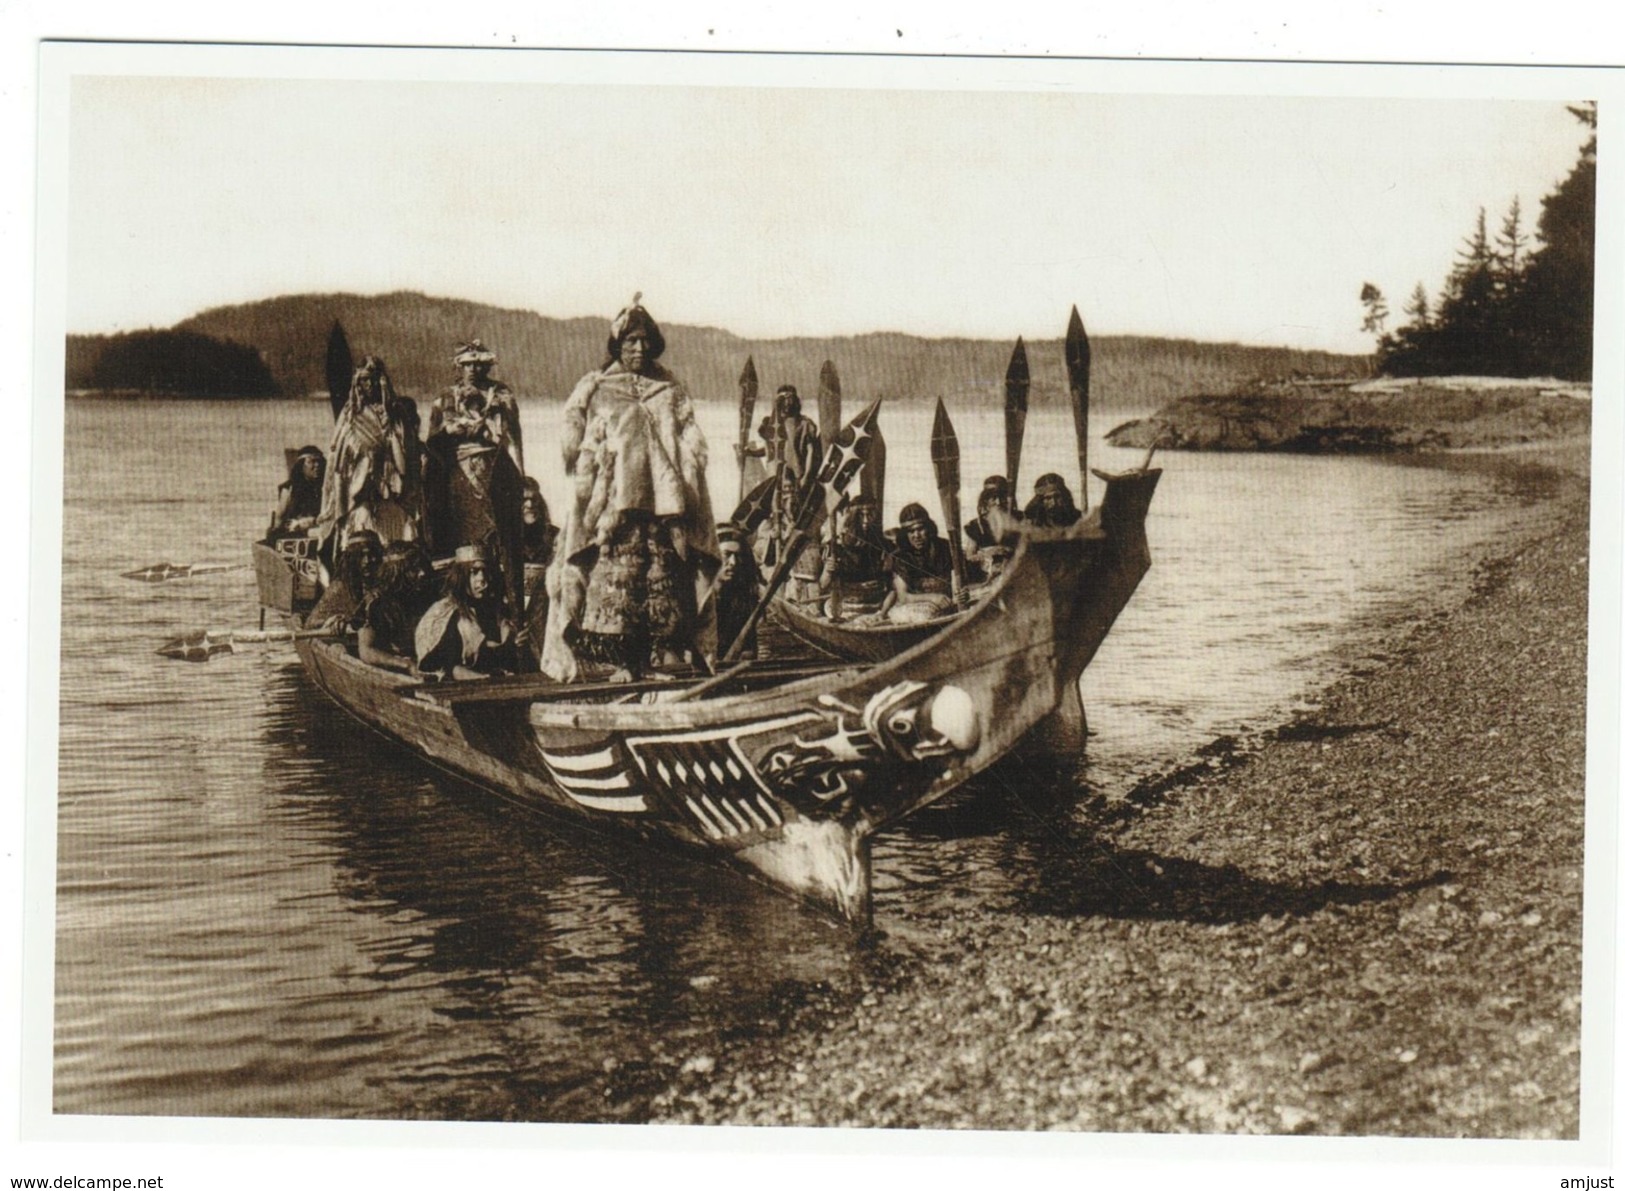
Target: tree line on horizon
169,363
1507,308
543,357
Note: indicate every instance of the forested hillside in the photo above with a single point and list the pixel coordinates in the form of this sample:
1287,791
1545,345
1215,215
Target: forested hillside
543,357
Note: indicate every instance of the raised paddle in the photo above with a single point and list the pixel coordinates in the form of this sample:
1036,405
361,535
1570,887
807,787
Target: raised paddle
755,508
1017,380
872,483
945,463
163,572
1077,380
204,644
340,368
829,403
845,459
747,415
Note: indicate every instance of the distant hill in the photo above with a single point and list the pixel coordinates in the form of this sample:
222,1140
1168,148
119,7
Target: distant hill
540,356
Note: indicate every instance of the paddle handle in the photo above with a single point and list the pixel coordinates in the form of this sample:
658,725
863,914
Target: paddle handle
956,548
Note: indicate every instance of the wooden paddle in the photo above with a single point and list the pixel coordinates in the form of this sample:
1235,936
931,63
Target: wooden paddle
747,414
203,644
163,572
1077,379
829,403
1017,380
872,483
340,368
844,458
945,463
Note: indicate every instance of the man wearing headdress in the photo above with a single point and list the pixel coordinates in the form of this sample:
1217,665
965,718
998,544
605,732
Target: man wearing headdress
374,469
992,535
855,568
476,448
466,633
355,572
921,567
638,547
299,499
1051,506
738,587
795,441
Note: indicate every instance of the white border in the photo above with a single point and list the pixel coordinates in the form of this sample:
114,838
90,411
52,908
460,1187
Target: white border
451,1153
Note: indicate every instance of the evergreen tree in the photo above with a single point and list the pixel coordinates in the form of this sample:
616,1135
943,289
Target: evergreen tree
1376,309
1506,309
1558,290
1419,308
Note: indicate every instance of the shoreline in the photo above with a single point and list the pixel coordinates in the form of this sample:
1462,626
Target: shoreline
1363,921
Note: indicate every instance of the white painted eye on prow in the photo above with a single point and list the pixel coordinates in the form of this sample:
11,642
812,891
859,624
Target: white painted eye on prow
902,722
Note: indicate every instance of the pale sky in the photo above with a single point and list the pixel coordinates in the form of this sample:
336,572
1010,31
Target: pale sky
776,211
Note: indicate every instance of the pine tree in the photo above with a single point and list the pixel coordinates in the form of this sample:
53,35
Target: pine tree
1376,309
1419,308
1510,243
1558,290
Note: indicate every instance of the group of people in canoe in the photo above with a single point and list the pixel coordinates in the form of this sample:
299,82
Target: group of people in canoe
440,556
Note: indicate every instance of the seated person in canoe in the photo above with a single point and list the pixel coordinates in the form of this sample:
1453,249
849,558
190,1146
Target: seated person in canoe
1052,506
538,535
374,470
386,625
476,469
299,498
921,568
992,535
638,549
856,576
354,575
466,633
802,588
737,590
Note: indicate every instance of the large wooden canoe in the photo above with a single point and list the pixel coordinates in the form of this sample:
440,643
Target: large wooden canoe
783,773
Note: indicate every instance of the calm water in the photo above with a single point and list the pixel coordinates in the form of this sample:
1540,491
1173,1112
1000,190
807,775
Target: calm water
264,910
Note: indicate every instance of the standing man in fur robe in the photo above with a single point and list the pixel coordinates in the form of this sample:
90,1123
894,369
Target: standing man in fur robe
638,549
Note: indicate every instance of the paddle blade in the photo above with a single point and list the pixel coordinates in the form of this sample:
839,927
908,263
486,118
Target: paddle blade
163,572
872,480
748,386
195,647
829,402
756,507
340,367
846,459
1077,379
944,450
1017,382
158,572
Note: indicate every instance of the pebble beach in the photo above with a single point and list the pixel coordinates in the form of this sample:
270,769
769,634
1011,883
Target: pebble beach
1362,922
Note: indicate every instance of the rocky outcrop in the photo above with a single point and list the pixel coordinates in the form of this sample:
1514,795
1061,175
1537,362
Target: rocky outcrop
1367,418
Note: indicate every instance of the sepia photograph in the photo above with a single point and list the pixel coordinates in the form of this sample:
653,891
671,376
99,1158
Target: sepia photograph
876,595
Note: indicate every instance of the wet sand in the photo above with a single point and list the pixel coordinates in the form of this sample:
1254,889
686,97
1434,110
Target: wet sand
1364,922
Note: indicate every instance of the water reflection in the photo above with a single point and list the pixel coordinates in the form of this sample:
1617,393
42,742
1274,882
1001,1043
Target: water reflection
565,951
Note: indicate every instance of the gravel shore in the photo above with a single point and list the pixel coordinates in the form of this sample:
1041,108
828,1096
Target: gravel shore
1365,922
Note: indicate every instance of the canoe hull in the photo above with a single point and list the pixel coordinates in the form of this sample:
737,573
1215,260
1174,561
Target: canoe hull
783,780
847,642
